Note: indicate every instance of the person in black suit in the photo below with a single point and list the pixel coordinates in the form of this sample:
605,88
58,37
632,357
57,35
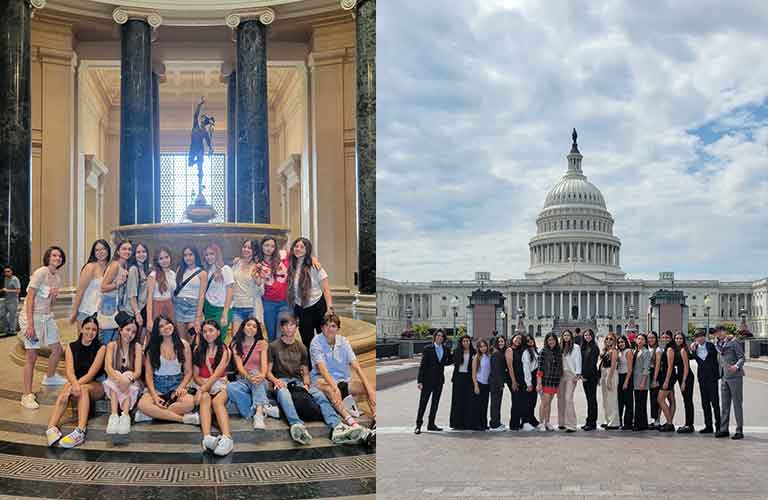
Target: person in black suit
430,380
705,354
590,374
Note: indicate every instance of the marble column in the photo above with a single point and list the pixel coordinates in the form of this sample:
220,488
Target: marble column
365,22
231,145
156,141
137,185
15,137
252,165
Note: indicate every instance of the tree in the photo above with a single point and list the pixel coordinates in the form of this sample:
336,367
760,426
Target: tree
691,329
461,330
421,330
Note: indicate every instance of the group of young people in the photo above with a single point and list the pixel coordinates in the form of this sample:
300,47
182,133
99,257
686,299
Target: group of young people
629,370
152,341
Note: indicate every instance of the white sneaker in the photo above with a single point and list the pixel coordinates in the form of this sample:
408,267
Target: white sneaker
140,417
56,379
124,425
351,405
53,435
225,446
113,424
271,410
258,422
542,428
343,433
300,434
29,401
192,418
549,427
528,427
500,428
210,443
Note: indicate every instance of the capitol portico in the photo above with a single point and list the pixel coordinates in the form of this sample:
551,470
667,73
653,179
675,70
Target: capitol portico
574,279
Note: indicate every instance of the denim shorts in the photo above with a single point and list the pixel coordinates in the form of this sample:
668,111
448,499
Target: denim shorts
107,335
167,383
241,313
186,309
82,315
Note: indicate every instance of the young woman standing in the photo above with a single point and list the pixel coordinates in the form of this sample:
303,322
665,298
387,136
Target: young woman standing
461,396
566,412
248,287
138,272
88,296
189,295
548,378
590,354
514,358
684,377
610,381
218,296
160,285
84,360
308,290
481,370
666,368
274,271
123,365
626,388
38,325
655,352
113,291
499,377
530,367
640,377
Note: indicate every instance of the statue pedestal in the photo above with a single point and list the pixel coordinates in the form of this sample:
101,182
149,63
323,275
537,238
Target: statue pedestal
200,210
229,236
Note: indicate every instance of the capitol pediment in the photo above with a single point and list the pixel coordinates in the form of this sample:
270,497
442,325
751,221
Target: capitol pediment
574,278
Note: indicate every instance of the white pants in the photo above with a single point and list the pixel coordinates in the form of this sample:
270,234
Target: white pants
566,411
610,398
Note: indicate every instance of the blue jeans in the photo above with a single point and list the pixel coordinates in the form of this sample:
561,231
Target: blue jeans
241,314
285,401
272,310
332,419
107,335
245,396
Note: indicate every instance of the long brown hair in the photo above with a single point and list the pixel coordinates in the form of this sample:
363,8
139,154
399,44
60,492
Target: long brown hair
567,348
305,279
162,282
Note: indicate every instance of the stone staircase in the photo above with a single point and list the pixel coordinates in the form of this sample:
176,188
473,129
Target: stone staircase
572,324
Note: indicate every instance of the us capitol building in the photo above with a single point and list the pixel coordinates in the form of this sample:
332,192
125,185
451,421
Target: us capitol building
574,279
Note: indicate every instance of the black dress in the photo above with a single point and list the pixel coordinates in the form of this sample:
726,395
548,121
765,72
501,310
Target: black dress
462,397
688,392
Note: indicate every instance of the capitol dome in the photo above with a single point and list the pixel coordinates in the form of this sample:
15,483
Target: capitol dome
574,229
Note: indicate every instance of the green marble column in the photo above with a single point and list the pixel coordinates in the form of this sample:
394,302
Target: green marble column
15,137
365,21
156,141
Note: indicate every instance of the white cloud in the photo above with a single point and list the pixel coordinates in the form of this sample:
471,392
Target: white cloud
477,100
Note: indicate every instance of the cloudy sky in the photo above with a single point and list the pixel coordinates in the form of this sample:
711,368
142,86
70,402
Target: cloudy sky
477,99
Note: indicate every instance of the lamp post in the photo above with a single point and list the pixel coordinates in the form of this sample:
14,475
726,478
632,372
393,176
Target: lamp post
503,317
706,311
454,308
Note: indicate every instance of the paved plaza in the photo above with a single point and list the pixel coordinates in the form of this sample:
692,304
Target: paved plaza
580,465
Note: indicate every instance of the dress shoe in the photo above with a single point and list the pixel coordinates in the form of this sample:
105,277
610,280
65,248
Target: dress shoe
722,434
588,428
561,427
738,435
706,430
684,430
433,427
417,430
667,428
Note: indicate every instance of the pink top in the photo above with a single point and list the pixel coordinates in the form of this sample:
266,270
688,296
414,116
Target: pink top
275,283
253,364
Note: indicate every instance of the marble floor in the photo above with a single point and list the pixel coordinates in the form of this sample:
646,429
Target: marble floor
163,460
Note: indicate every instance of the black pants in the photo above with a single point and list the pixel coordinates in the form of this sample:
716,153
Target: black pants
428,391
641,410
655,410
310,319
626,401
530,416
590,391
520,401
462,398
688,399
710,402
480,408
497,394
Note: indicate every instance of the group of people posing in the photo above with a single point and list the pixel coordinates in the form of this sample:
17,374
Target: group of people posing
628,371
152,340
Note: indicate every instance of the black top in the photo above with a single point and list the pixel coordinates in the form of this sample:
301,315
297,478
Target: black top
663,364
605,359
589,356
709,369
83,356
499,373
517,365
431,368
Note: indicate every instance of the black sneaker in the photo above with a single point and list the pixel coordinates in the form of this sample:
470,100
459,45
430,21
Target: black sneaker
417,430
706,430
561,427
722,434
684,430
738,435
433,427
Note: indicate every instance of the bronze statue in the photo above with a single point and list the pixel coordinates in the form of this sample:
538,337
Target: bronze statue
202,133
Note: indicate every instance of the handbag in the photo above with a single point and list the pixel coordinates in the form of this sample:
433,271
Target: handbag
306,407
108,309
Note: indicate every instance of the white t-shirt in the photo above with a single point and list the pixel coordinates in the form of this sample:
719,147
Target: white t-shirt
217,290
170,278
44,282
245,291
315,291
192,289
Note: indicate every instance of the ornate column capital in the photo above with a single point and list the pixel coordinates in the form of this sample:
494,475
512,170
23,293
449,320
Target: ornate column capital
348,4
264,15
121,15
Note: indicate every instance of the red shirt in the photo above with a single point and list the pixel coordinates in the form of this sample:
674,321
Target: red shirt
275,281
203,370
